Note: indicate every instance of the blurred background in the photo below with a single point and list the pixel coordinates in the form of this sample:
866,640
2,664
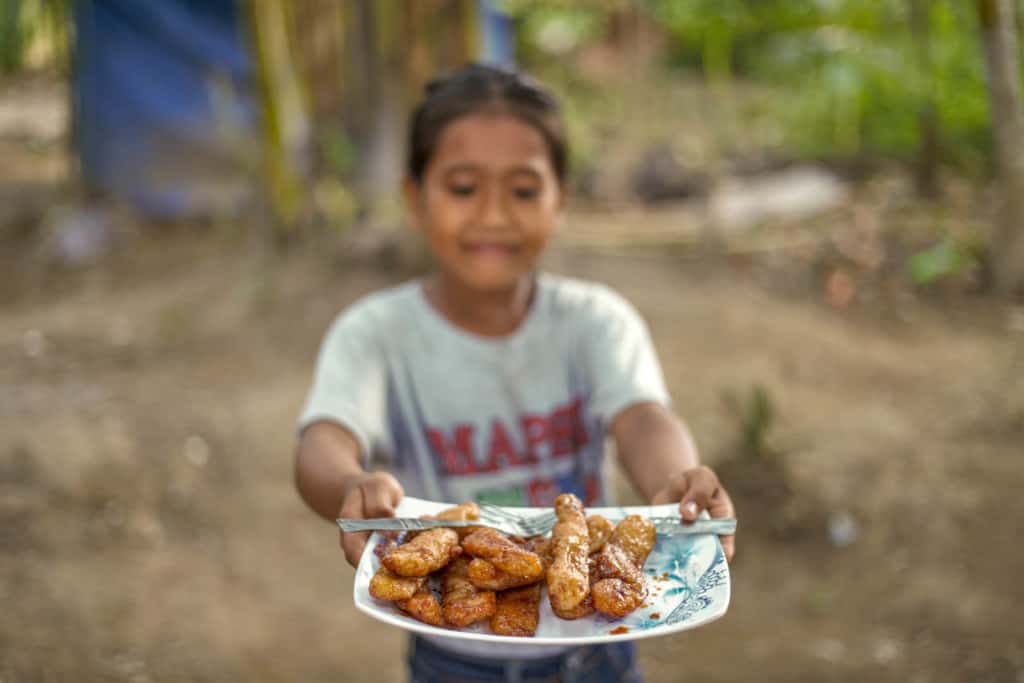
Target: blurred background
818,205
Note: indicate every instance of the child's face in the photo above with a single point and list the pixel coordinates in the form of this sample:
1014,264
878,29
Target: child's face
488,202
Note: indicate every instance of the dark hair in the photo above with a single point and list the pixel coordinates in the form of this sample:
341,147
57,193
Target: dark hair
481,88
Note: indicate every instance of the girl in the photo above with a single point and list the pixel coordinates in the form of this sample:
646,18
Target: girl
488,380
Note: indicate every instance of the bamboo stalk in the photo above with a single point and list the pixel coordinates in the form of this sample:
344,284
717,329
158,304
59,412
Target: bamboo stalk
285,123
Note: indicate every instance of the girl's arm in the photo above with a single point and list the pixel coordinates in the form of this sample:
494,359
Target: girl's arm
331,480
660,457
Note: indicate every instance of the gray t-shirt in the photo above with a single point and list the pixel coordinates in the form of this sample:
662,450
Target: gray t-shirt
514,420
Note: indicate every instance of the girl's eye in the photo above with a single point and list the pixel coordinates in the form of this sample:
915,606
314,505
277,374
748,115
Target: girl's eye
525,193
462,190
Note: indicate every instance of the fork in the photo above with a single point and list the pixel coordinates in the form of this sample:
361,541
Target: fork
515,524
671,526
490,516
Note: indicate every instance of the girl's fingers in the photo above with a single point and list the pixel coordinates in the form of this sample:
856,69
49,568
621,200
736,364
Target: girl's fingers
728,546
375,496
353,543
663,496
701,485
721,506
696,490
381,494
352,505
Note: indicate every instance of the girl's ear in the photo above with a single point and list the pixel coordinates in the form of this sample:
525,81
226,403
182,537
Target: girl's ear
411,194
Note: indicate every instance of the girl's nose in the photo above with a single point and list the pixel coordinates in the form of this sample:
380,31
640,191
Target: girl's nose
493,211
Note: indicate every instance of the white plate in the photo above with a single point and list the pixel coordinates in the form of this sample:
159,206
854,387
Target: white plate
688,582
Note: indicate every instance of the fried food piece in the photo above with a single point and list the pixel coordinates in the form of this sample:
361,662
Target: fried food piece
462,603
428,552
517,612
584,609
615,563
465,512
460,513
423,606
541,546
616,597
486,576
568,576
635,535
600,529
386,585
491,545
617,571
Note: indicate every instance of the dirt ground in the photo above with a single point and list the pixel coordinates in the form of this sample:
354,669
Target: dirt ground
149,529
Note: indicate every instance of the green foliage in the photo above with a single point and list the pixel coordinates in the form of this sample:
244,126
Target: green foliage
32,29
845,77
852,76
856,81
339,153
12,38
547,28
941,261
755,417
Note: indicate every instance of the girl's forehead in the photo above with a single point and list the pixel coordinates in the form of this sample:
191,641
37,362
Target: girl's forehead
493,140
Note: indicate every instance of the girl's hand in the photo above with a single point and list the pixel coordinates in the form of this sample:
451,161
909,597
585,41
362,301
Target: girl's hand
698,489
371,494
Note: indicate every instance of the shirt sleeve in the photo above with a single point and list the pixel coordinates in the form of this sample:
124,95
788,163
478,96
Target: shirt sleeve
622,364
349,382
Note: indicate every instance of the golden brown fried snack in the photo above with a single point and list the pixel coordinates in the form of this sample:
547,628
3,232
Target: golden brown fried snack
428,552
517,612
423,606
600,529
464,512
617,571
386,585
486,576
615,563
568,575
635,535
616,597
541,546
462,602
491,545
584,609
459,513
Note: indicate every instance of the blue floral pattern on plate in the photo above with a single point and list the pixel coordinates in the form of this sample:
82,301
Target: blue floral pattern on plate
688,581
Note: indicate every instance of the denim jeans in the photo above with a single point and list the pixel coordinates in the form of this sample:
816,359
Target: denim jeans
607,663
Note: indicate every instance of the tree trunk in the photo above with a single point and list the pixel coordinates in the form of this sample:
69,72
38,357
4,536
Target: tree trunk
999,39
929,152
382,167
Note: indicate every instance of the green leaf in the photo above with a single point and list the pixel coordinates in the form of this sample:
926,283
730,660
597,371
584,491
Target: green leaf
936,263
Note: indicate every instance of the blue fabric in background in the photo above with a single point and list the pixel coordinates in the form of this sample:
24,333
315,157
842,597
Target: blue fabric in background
498,39
166,107
144,102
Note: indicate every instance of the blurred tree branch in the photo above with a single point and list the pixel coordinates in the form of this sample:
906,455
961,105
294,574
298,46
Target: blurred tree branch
997,23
